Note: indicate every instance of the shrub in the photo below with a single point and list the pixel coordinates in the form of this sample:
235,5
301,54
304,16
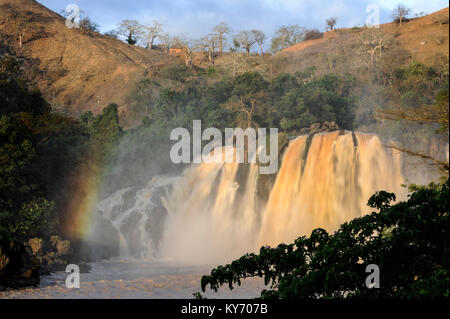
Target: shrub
175,72
313,35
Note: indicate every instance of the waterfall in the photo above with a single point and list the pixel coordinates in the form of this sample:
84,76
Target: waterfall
215,212
211,216
327,184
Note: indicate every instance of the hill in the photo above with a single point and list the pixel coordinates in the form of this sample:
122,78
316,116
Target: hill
424,39
77,70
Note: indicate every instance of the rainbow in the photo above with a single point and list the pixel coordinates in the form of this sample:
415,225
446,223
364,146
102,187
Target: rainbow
77,215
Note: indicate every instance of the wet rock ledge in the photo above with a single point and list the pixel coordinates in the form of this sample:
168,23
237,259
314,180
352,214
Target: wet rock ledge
22,264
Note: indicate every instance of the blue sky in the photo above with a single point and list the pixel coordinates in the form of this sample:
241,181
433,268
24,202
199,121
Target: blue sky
196,18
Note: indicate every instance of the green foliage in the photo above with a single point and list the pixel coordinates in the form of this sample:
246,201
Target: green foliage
409,241
211,71
175,72
417,84
197,295
14,95
105,130
35,218
287,36
288,102
313,35
39,152
17,151
23,211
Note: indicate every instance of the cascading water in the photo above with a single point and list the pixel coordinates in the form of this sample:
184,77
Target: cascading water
130,221
211,215
327,184
215,212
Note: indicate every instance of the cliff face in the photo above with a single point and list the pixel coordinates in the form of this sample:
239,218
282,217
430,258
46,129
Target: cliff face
77,70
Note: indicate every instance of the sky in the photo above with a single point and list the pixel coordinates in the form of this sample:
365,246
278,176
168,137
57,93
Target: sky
196,18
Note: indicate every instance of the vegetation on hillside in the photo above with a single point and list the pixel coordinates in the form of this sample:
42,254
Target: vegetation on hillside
40,154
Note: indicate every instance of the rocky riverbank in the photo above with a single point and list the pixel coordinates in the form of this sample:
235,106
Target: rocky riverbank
22,264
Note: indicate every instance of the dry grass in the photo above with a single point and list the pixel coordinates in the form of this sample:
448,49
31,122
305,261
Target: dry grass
424,38
77,70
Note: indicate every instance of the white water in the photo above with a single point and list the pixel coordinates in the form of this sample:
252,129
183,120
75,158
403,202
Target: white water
214,212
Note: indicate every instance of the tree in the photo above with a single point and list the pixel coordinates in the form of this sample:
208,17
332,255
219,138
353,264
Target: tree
287,36
221,29
248,91
245,40
88,24
15,97
175,72
188,46
85,21
210,43
105,130
374,42
112,34
260,38
312,35
131,30
167,41
152,33
331,22
400,13
23,212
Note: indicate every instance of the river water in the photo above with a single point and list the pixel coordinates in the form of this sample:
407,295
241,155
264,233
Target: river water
135,279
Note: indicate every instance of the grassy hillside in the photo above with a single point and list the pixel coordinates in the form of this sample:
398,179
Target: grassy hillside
424,39
77,70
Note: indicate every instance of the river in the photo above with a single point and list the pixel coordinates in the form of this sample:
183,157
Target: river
134,279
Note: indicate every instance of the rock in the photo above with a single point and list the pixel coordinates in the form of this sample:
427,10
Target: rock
303,131
60,247
315,127
318,128
63,248
22,268
329,126
27,273
4,260
36,246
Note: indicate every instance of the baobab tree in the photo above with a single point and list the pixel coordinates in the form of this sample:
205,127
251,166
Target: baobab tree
260,38
167,41
210,43
245,40
152,32
374,44
188,47
331,23
221,29
131,30
287,36
400,13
